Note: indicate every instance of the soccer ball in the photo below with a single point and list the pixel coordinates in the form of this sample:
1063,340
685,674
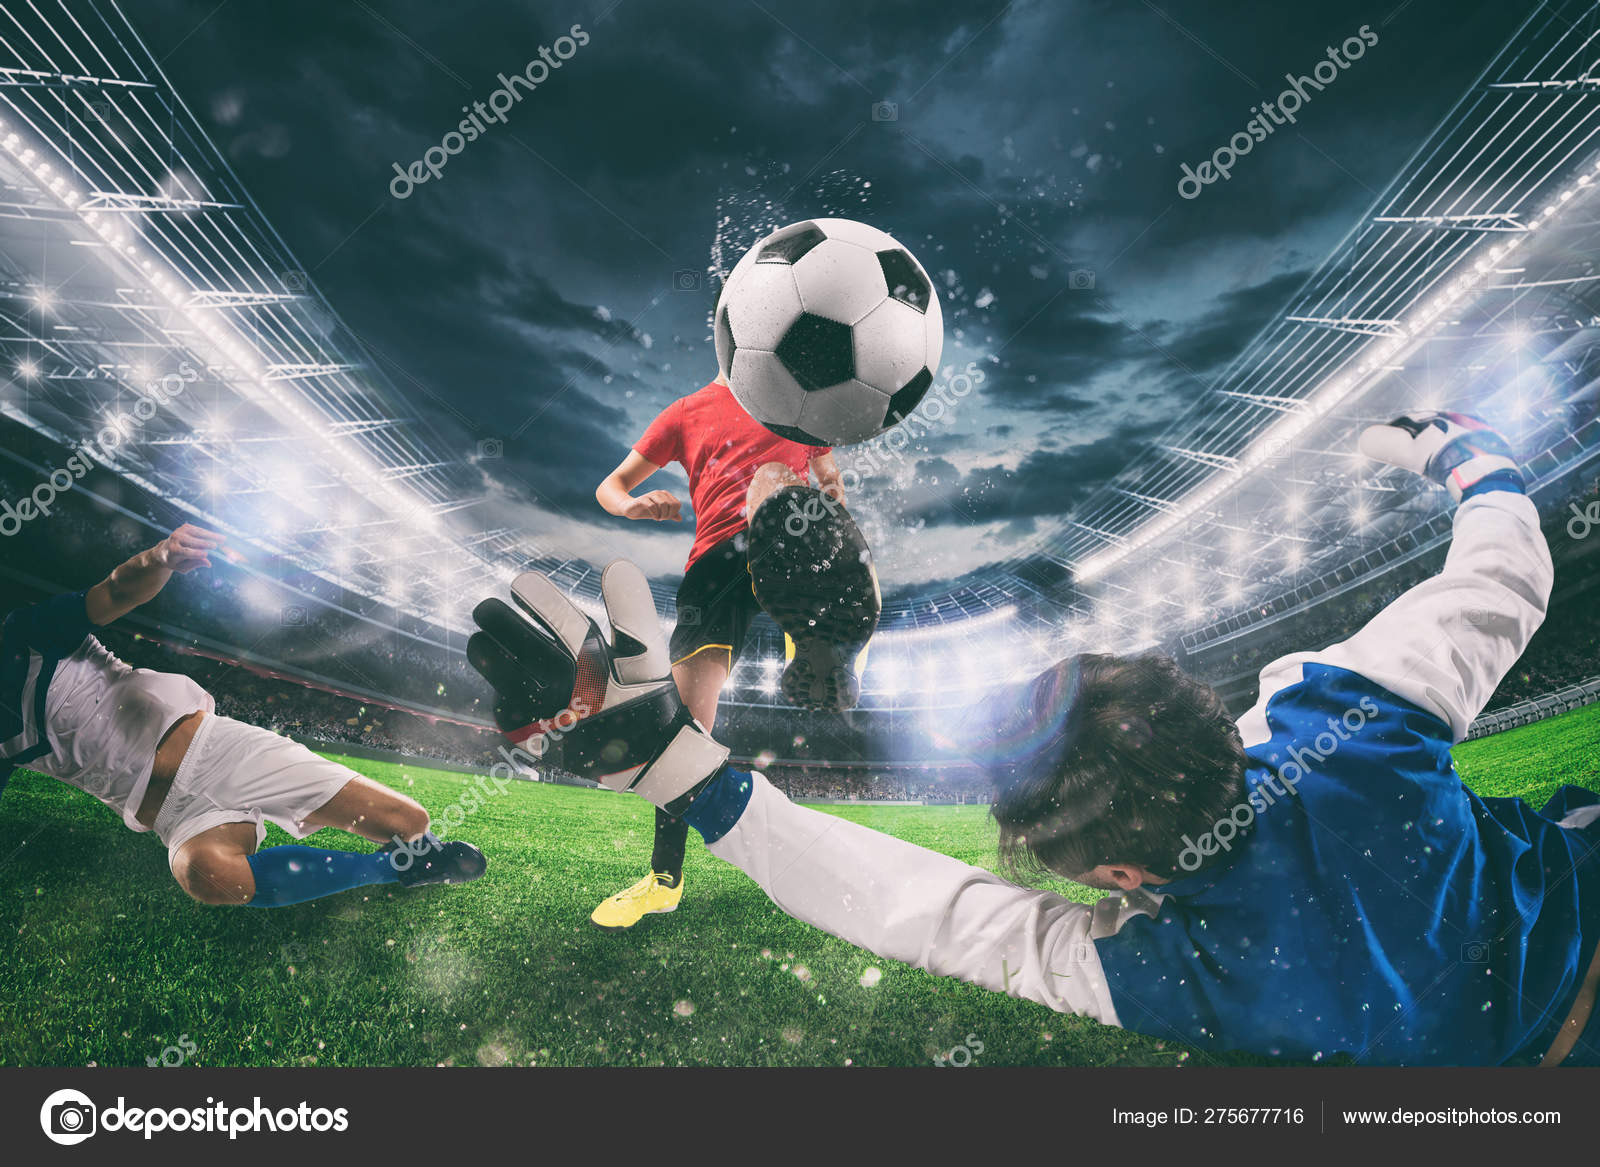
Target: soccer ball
828,332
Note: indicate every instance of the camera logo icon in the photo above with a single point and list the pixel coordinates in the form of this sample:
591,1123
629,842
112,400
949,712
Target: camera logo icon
490,448
292,616
1081,280
885,111
686,280
68,1117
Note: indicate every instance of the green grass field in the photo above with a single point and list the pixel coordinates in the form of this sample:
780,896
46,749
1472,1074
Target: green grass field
107,962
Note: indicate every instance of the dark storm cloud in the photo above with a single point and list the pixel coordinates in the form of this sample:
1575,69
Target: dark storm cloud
527,295
1046,484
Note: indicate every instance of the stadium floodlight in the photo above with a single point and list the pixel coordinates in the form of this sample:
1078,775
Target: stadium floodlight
889,676
218,262
28,369
986,622
260,594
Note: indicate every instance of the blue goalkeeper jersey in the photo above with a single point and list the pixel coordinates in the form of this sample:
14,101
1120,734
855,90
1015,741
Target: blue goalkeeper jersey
1367,904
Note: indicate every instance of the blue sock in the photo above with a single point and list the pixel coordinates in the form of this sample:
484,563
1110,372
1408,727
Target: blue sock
294,874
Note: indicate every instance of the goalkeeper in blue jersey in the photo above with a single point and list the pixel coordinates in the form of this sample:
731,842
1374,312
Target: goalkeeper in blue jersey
1310,881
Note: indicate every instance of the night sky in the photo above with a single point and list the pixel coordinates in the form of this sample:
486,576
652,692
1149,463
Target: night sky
551,289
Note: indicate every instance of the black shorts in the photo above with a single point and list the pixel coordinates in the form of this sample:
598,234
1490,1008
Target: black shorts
715,603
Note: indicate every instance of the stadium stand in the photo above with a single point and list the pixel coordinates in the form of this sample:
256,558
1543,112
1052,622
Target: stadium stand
340,671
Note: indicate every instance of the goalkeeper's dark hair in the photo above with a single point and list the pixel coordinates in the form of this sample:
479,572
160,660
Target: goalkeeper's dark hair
1143,756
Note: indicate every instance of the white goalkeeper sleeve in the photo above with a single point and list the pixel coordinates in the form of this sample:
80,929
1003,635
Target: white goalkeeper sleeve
910,904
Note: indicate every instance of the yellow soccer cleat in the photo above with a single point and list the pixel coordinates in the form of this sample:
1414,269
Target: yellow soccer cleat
648,897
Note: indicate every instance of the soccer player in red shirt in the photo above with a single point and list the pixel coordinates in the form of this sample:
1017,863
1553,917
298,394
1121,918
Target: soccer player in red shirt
737,469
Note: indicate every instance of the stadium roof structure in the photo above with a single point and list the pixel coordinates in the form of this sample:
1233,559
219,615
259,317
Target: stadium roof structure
1471,283
151,317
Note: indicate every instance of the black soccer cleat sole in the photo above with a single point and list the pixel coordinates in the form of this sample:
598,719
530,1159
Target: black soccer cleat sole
451,862
821,678
812,573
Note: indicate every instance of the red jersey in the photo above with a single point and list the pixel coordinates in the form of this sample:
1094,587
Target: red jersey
720,447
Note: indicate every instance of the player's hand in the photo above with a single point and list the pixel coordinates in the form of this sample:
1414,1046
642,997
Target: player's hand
1453,449
660,505
608,705
189,547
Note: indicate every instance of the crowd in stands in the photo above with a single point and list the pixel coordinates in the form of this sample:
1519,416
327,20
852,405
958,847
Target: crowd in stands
866,783
301,623
288,707
340,641
1565,649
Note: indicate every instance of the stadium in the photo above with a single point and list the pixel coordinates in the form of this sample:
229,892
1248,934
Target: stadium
157,327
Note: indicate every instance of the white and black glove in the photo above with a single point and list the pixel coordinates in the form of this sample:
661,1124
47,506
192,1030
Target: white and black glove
1454,450
609,709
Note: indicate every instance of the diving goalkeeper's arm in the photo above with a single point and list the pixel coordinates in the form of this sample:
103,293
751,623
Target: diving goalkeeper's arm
612,710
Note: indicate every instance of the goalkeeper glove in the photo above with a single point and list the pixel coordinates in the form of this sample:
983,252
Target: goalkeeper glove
1456,451
609,707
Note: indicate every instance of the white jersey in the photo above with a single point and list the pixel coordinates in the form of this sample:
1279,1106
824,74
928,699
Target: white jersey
82,715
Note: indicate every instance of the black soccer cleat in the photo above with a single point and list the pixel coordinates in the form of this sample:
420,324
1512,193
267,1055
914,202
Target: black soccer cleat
431,860
812,573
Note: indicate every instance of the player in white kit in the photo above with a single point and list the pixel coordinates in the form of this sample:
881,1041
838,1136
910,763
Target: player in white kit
151,746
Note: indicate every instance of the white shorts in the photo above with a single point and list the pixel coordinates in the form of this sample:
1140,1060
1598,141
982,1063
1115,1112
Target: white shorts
238,773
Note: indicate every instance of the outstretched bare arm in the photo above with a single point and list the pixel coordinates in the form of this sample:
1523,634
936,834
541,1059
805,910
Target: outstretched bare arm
140,579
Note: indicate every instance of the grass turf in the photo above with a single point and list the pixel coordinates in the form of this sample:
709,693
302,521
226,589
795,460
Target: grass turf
109,963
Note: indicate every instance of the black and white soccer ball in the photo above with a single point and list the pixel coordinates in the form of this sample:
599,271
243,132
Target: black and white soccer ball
828,332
